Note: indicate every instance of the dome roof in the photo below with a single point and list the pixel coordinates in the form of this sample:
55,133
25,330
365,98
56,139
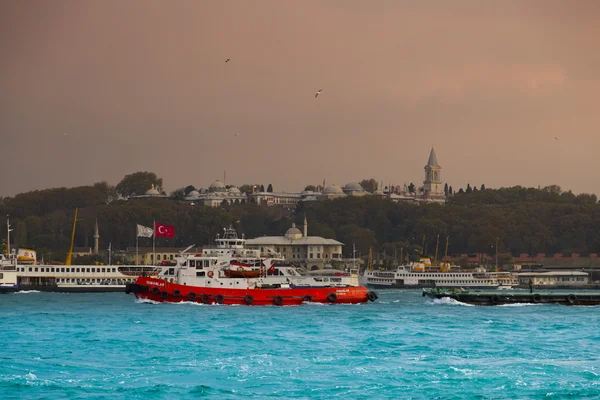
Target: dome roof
233,189
193,193
333,189
293,233
217,186
353,187
152,192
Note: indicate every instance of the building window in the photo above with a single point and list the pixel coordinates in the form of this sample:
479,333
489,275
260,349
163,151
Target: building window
318,255
171,257
311,255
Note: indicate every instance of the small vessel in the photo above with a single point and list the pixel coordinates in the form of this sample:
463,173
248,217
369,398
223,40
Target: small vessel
495,298
423,274
232,274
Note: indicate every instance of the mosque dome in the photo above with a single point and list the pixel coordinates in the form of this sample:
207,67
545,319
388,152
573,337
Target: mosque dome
293,233
217,186
233,189
333,189
152,192
193,193
353,187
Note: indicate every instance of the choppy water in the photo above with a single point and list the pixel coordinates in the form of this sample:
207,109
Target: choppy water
403,346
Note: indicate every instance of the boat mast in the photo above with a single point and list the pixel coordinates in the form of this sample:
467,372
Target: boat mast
446,252
436,249
8,236
497,239
70,253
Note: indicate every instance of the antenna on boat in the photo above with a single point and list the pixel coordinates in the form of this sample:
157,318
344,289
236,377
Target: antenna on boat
8,236
182,252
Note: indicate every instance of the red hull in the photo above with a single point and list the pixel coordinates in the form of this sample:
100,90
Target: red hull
163,291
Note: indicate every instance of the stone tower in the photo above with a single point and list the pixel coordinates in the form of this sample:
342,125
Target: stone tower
432,186
96,238
305,226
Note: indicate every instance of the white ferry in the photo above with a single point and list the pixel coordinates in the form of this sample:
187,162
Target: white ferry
80,278
8,274
424,275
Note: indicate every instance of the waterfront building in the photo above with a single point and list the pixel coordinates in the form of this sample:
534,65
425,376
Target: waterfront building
554,278
145,255
150,193
297,247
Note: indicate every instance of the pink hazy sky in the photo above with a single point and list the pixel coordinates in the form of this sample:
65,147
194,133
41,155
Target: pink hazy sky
93,90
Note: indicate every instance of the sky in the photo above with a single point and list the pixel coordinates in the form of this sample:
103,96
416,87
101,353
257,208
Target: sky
507,92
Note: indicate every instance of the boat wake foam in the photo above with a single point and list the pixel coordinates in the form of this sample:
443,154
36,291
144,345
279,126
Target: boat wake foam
449,301
27,291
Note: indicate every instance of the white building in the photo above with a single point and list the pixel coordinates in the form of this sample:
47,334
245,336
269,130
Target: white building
296,246
554,278
216,194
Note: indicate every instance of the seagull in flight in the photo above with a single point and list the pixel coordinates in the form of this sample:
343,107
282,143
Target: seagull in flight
555,138
236,134
229,59
318,93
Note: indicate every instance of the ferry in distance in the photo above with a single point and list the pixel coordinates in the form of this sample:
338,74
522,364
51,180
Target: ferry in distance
232,274
422,274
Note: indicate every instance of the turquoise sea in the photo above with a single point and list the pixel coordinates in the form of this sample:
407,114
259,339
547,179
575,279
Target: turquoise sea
108,346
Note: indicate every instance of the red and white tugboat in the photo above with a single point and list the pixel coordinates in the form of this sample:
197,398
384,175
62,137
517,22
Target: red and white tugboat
232,274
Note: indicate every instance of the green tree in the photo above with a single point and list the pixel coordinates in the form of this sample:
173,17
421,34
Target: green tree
482,187
262,188
411,188
446,189
138,183
311,188
188,189
178,194
469,189
370,185
270,188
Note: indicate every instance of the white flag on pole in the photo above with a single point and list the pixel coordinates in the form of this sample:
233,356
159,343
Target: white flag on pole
144,231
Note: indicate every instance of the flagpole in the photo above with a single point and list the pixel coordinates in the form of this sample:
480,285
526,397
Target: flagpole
153,242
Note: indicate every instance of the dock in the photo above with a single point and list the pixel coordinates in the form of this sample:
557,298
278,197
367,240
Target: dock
498,297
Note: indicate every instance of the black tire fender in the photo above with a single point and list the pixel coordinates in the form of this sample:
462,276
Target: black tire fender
248,299
278,300
191,296
205,298
332,297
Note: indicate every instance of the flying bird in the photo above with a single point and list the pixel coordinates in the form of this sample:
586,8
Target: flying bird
318,93
64,133
236,134
227,60
555,138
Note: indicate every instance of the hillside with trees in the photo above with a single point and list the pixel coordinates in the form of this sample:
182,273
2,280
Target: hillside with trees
524,220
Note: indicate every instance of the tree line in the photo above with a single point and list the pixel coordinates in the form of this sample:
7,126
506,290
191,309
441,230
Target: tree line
522,220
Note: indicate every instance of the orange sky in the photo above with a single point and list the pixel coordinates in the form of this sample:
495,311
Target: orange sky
142,85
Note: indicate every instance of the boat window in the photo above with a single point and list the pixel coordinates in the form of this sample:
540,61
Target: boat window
61,270
87,270
103,269
200,273
192,263
30,269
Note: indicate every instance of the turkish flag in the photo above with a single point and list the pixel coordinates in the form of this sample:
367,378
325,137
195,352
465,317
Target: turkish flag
164,230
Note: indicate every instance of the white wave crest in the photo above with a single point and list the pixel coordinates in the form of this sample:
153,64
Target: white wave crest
27,291
449,301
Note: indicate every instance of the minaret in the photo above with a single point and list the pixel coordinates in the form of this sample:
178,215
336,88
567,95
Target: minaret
305,226
432,184
96,237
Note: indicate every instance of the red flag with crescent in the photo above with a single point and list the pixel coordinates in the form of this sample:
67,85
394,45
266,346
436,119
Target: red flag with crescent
164,230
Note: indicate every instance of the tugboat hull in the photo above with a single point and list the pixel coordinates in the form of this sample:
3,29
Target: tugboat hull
162,291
